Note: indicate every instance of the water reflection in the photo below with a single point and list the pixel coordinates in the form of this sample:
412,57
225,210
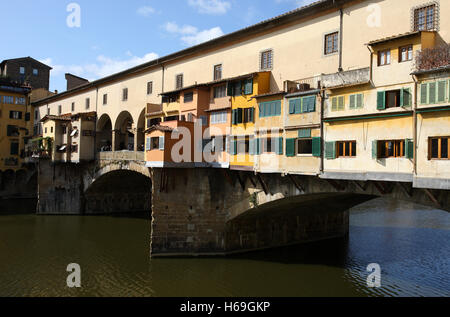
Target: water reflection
409,242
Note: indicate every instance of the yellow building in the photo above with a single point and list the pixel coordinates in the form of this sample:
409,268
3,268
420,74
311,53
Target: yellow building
15,125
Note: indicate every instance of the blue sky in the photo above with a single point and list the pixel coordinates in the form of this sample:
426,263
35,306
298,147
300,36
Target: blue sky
116,35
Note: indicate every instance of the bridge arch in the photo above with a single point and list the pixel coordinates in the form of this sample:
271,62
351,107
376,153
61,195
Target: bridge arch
140,138
124,130
104,133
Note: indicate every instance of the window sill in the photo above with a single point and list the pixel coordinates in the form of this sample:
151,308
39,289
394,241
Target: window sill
304,155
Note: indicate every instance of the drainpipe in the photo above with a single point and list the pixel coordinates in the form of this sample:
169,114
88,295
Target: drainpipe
341,37
371,65
95,126
322,108
415,125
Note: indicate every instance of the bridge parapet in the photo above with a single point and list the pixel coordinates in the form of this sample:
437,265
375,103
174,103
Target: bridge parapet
121,156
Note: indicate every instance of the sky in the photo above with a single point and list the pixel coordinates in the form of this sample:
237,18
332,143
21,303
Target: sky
96,38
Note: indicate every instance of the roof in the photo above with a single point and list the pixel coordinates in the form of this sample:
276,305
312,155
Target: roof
161,128
270,94
283,19
394,37
25,58
432,70
64,117
214,82
303,93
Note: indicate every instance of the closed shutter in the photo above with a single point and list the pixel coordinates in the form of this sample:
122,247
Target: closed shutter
298,106
251,144
258,146
334,104
233,147
317,147
304,133
360,101
280,146
441,91
409,149
251,115
233,117
249,87
375,150
273,109
330,150
424,94
161,142
381,100
353,102
290,147
278,107
341,103
261,107
148,144
230,89
240,115
432,93
291,106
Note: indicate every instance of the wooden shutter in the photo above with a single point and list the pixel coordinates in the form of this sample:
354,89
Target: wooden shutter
317,147
360,101
409,149
280,146
375,153
148,144
291,106
341,103
290,147
161,143
432,93
230,89
304,133
261,109
424,94
248,86
258,146
233,117
278,107
334,104
405,97
298,106
353,102
441,91
251,146
251,114
381,100
330,150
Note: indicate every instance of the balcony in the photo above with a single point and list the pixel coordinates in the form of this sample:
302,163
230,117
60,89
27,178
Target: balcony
346,79
430,59
301,85
154,109
121,156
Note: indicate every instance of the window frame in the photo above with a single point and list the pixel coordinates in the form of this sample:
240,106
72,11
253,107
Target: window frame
424,8
269,63
408,59
217,72
385,62
334,47
149,88
430,148
345,145
177,77
398,149
220,88
297,140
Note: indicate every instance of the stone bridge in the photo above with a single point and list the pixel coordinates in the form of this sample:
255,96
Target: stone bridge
206,211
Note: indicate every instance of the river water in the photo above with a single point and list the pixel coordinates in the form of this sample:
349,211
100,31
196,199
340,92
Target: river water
409,242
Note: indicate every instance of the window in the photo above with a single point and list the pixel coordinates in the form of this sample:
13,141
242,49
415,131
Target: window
220,91
394,98
22,70
155,143
405,53
189,97
387,149
8,100
74,148
149,88
356,101
12,130
218,72
20,101
219,117
240,115
125,94
243,146
14,148
204,120
346,149
88,103
59,110
266,60
153,122
48,111
73,107
105,99
304,147
425,18
270,109
179,81
439,148
51,129
266,145
302,105
16,115
35,72
331,43
433,92
384,57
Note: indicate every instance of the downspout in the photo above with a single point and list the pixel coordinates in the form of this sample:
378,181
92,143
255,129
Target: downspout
96,122
415,126
341,37
371,65
322,145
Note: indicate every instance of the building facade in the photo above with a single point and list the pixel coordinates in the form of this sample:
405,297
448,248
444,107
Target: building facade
27,70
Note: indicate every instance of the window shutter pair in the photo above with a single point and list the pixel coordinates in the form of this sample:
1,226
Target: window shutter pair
330,150
381,100
290,147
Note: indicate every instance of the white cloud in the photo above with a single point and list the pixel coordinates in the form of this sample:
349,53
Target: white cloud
190,35
297,3
215,7
104,66
145,11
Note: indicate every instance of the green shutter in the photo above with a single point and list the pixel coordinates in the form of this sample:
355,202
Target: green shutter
291,106
260,107
317,147
290,147
280,146
278,106
360,101
341,103
441,91
334,104
405,97
259,147
233,147
298,106
330,150
409,149
273,109
375,149
252,115
381,100
230,90
424,94
240,115
432,93
251,146
248,86
304,133
233,117
353,102
309,104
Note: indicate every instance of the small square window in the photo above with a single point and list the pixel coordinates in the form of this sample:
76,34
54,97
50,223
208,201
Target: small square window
35,72
125,94
384,57
149,88
105,99
331,43
218,72
405,53
22,70
266,60
179,81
